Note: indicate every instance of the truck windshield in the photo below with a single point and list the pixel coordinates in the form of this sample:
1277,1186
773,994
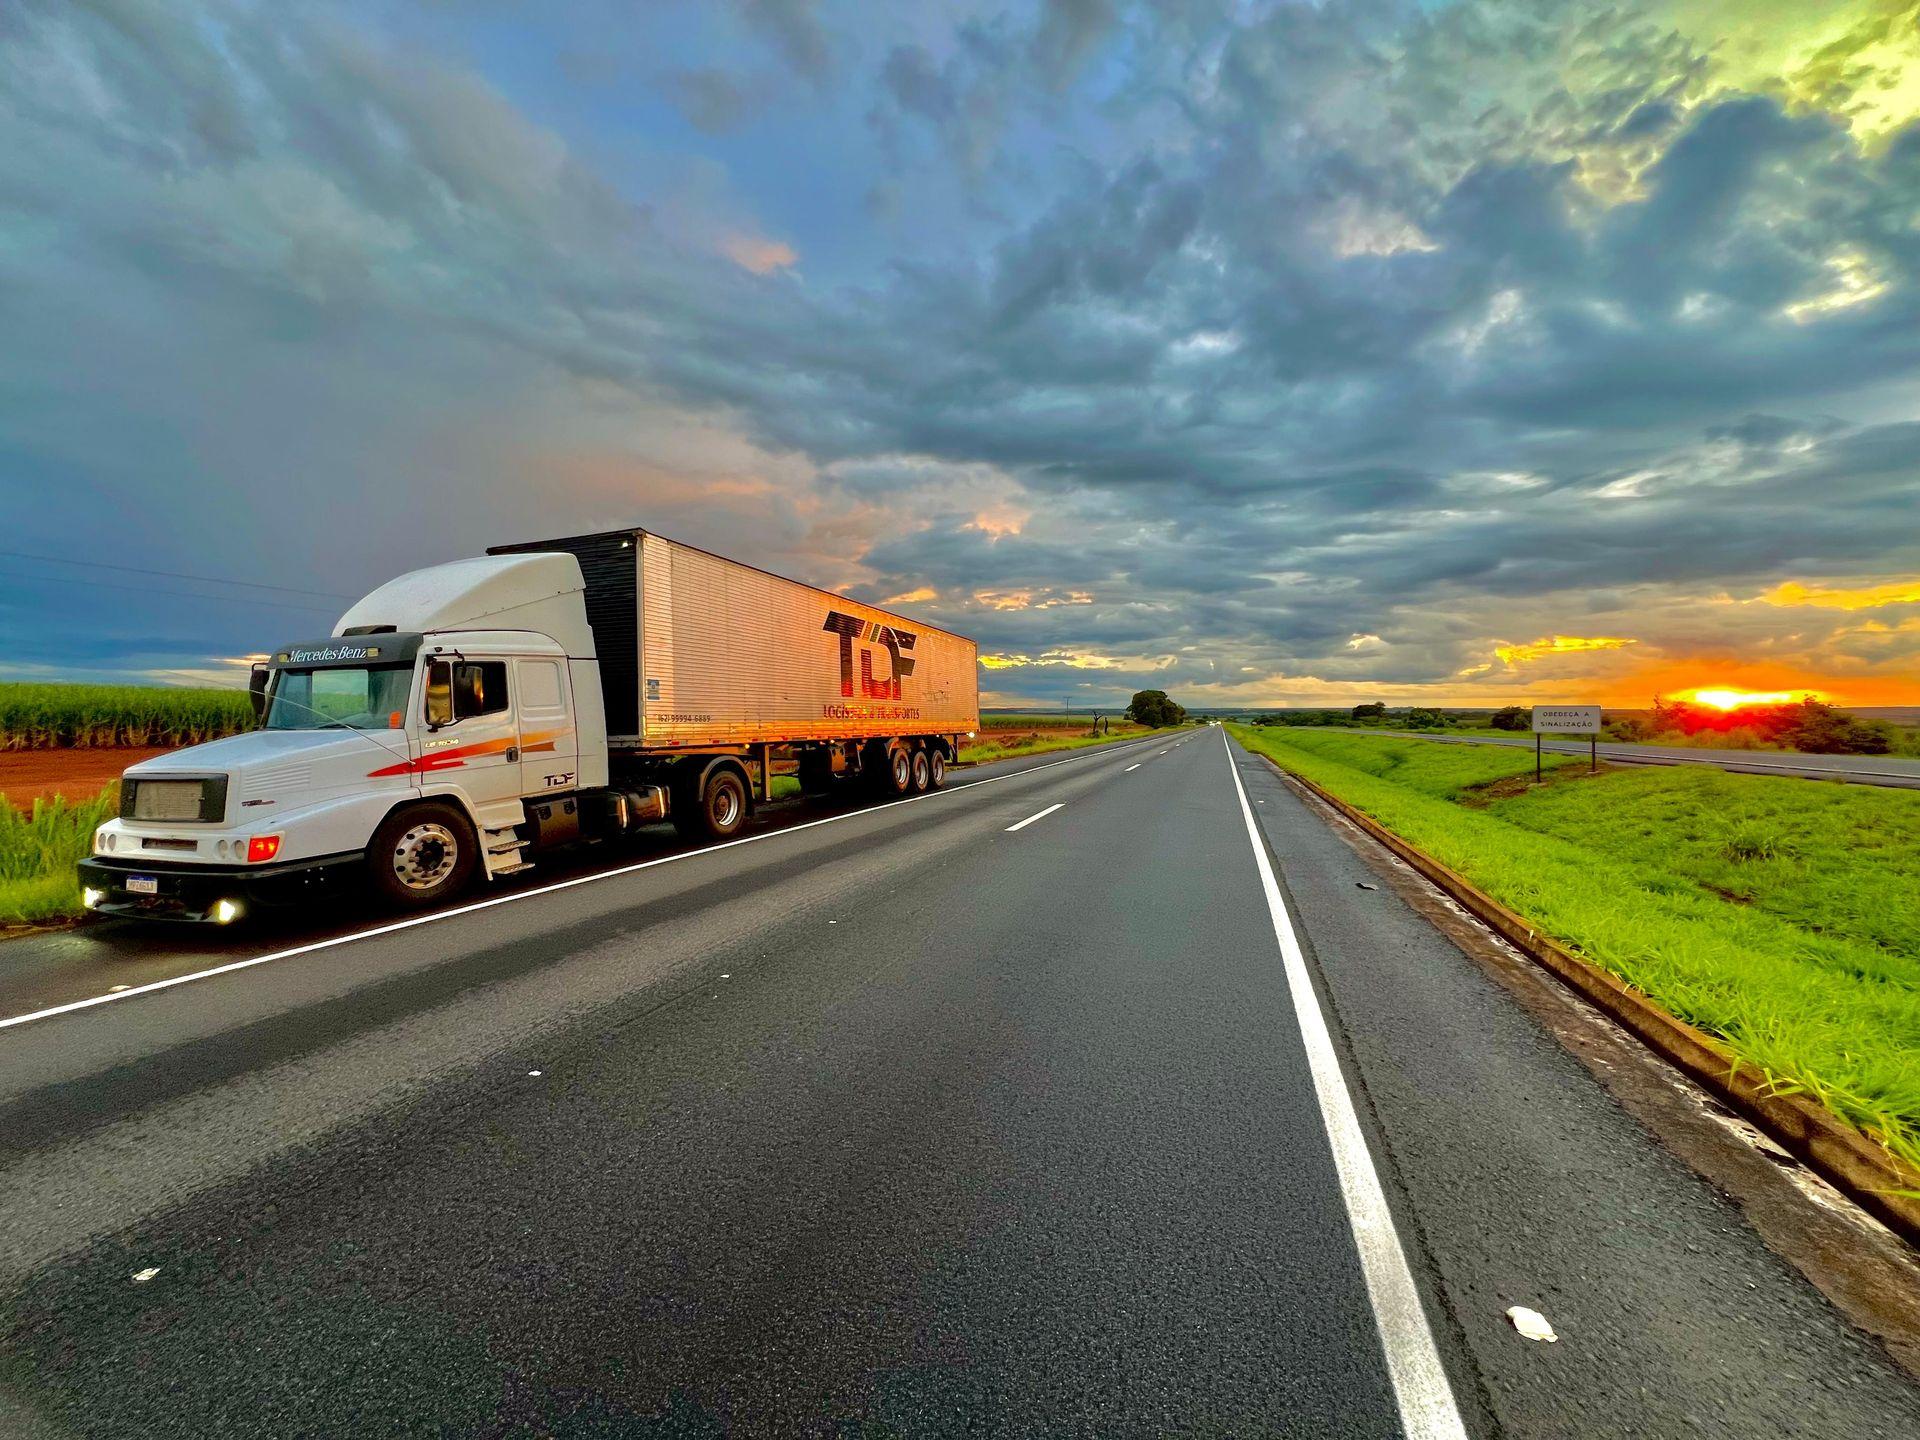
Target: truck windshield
340,697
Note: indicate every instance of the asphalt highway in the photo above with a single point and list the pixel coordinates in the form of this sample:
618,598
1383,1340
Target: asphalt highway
1111,1094
1896,771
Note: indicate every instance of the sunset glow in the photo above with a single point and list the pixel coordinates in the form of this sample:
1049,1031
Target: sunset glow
1735,699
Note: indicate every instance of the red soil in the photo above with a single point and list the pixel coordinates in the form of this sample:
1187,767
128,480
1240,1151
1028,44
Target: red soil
29,775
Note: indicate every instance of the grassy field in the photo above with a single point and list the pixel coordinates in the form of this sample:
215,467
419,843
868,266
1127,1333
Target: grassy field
1781,915
1004,736
1046,720
38,851
47,717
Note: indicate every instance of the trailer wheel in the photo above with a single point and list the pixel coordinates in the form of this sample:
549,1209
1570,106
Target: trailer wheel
422,854
895,773
719,810
936,769
922,772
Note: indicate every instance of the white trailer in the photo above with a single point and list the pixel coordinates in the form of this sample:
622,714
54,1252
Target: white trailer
463,718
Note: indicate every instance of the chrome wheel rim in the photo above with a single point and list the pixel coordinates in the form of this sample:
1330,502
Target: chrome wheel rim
936,769
425,856
726,806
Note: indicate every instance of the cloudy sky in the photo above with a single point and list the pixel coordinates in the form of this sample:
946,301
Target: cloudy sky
1277,352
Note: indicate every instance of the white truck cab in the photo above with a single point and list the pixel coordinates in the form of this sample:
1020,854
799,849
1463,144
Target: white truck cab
450,708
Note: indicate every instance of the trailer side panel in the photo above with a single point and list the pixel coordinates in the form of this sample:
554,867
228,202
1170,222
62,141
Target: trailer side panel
735,655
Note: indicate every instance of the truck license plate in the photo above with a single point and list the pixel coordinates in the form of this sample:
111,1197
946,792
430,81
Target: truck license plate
142,885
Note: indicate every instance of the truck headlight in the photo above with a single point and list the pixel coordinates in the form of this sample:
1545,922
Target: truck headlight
90,897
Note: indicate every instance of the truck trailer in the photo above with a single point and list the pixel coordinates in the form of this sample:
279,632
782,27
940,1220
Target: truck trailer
463,719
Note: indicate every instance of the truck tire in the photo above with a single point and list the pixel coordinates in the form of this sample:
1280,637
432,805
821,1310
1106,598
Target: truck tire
936,769
421,855
719,810
922,772
894,774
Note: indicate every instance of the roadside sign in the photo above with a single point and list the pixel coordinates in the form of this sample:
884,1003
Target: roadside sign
1567,719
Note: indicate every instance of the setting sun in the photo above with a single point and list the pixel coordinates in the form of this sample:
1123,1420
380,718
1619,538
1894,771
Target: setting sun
1734,699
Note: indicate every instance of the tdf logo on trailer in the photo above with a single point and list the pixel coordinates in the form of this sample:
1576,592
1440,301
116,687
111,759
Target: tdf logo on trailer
851,628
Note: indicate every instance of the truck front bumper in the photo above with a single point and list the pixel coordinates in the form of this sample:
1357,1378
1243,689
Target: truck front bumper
159,890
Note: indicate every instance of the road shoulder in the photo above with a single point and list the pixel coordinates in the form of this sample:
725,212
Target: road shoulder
1525,1183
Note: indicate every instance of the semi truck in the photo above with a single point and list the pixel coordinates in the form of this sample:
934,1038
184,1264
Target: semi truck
465,719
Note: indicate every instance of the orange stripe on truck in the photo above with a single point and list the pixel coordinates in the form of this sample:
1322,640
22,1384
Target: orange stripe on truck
453,759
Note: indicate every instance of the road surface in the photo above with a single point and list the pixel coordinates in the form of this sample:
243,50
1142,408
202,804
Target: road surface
1895,771
1111,1094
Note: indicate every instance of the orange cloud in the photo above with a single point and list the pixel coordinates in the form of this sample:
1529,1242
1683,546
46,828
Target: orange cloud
760,255
1001,519
1558,645
909,597
1870,597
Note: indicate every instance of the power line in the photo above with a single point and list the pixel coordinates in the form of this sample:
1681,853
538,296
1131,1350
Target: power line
171,574
180,594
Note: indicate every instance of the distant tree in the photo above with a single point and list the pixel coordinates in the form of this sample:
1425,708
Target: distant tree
1807,725
1512,717
1630,728
1426,720
1823,730
1377,710
1152,708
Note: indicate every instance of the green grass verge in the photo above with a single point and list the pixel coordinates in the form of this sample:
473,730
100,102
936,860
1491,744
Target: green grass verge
38,850
47,717
1782,915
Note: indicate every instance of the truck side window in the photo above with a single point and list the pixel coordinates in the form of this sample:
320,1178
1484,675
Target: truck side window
439,692
479,688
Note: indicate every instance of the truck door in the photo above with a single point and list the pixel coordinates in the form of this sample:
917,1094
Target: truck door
549,740
478,748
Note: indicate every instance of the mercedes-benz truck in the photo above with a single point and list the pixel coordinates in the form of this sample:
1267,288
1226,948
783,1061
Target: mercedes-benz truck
463,719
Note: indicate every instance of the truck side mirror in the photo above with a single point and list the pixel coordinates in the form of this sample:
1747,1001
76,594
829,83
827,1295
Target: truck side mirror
257,690
439,708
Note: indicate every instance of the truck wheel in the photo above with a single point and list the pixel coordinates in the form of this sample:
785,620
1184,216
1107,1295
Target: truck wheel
922,771
936,769
721,809
895,775
421,855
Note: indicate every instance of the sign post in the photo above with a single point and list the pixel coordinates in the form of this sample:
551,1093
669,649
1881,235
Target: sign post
1567,720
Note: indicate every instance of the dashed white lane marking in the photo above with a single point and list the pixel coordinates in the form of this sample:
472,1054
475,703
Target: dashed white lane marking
1131,768
1022,824
1427,1409
558,885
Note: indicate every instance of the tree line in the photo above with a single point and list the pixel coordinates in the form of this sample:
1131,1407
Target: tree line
1807,725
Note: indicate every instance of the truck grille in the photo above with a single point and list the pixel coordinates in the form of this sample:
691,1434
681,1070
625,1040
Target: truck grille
201,799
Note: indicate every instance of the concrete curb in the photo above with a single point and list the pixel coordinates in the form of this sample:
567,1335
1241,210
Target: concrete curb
1872,1176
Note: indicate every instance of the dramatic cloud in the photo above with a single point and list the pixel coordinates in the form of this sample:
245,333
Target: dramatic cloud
1259,353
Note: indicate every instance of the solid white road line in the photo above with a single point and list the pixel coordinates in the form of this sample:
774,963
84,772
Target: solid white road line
1131,768
1031,818
558,885
1427,1409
